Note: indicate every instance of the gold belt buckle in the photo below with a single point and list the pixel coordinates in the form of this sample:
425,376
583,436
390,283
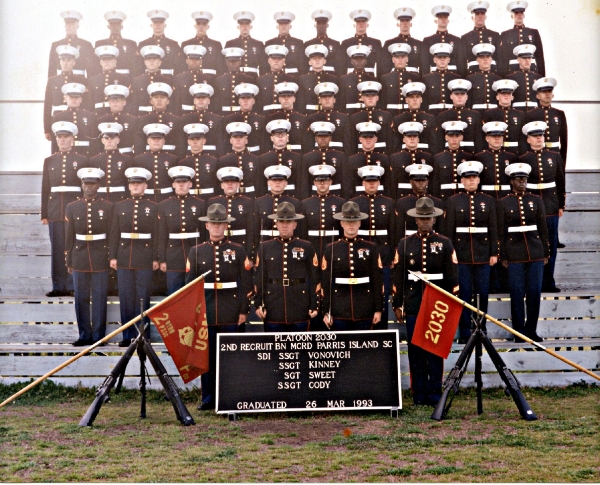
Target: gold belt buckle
218,286
89,237
286,282
352,281
135,235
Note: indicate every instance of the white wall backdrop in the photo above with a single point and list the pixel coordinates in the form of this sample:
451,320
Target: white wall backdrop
570,32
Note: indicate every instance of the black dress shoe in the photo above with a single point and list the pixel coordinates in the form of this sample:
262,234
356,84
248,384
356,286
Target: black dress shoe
535,337
519,340
206,406
126,342
560,245
82,343
55,293
551,290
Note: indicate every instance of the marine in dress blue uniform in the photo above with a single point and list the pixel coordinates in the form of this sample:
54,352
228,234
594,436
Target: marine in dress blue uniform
183,100
295,63
117,100
129,60
203,163
225,99
254,59
361,19
351,276
437,96
525,77
369,97
445,181
109,56
227,288
378,227
349,97
409,155
86,244
413,95
286,280
524,249
392,96
322,18
458,58
482,79
547,180
133,248
240,157
432,255
472,226
308,99
267,97
60,186
257,138
299,139
179,228
495,159
151,56
173,61
404,16
479,35
212,62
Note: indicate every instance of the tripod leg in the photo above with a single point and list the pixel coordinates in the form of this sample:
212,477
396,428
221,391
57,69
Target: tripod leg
510,380
142,356
171,390
453,380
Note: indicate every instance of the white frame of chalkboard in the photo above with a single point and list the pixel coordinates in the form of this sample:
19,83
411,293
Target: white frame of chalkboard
348,408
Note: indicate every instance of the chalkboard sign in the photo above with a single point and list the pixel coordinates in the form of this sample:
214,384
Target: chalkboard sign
322,371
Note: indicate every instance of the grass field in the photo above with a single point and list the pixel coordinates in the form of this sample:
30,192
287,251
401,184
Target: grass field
41,441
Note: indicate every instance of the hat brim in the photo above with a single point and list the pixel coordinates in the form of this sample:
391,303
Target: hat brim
340,217
295,218
413,213
135,180
208,219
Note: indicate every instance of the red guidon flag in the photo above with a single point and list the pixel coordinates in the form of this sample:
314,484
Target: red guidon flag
182,324
437,322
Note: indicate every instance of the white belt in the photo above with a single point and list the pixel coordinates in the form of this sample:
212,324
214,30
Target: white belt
145,108
419,145
331,187
101,105
471,229
249,69
451,67
135,235
338,144
367,69
552,144
452,186
355,105
187,107
290,187
230,108
271,106
79,143
495,187
254,148
183,235
549,185
220,286
410,232
65,188
126,150
245,190
165,147
111,189
524,103
440,106
202,191
515,61
205,147
464,144
522,228
323,233
397,106
327,68
122,71
166,190
315,107
90,237
372,232
60,107
475,63
291,70
235,232
404,185
412,69
485,106
379,144
511,144
352,281
266,232
167,72
79,72
426,276
294,147
209,71
360,188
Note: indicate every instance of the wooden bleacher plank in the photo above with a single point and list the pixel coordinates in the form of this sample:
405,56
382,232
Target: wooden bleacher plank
20,182
25,266
582,181
23,234
90,382
53,333
580,221
20,203
583,201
